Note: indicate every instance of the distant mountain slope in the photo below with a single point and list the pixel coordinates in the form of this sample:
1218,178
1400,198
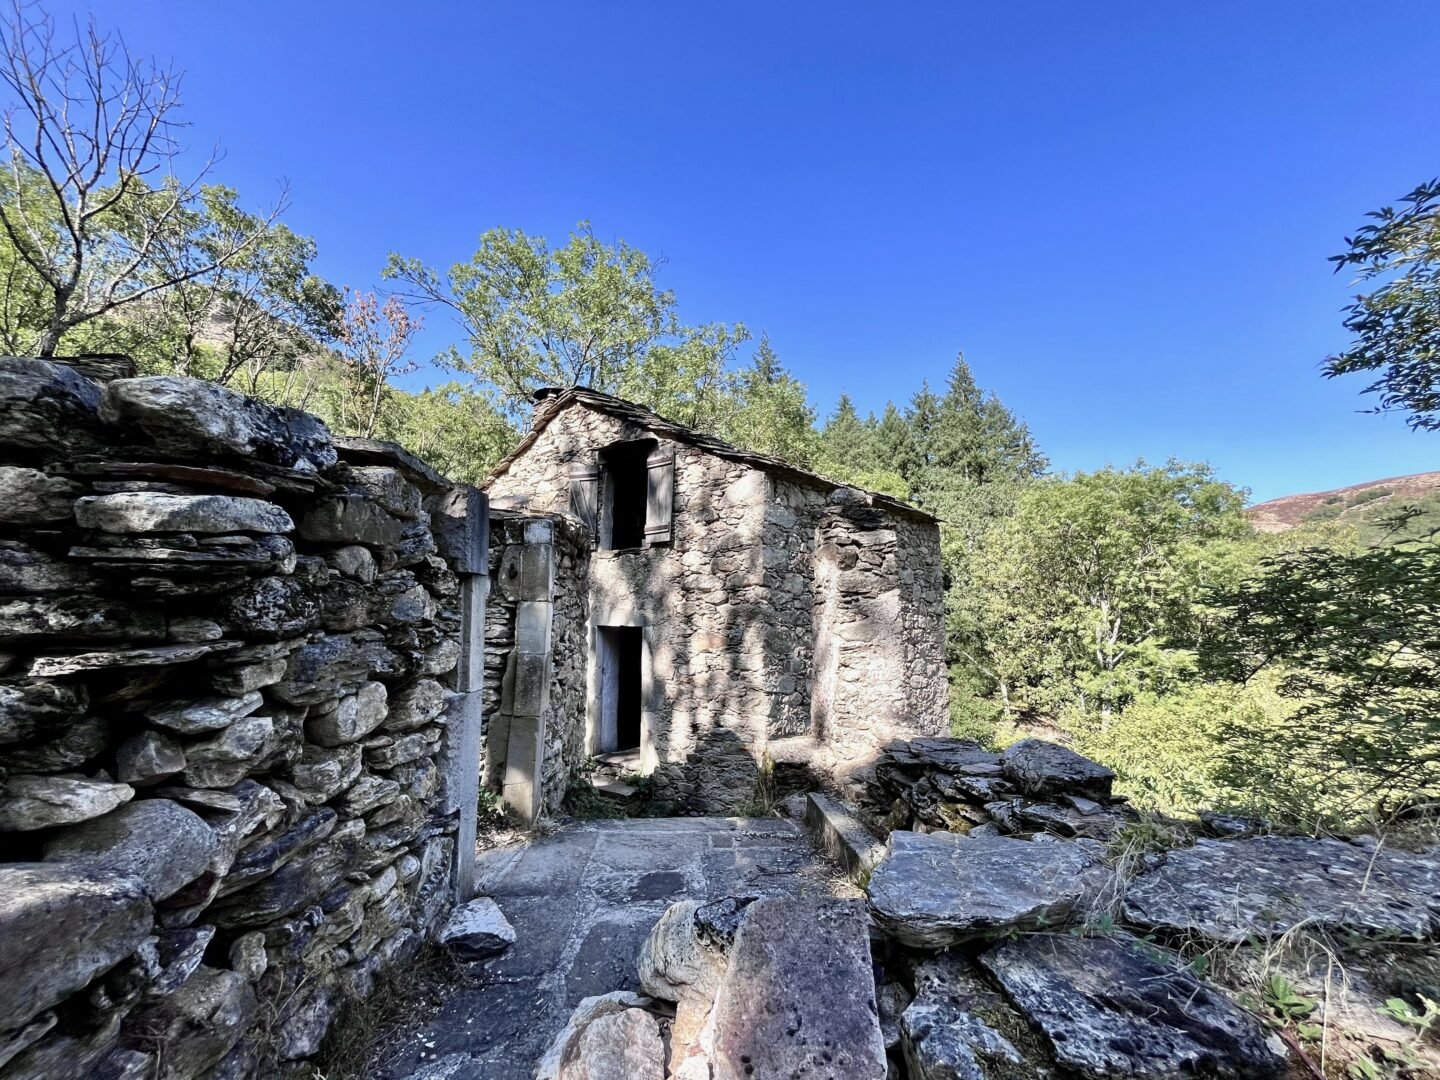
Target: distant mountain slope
1358,501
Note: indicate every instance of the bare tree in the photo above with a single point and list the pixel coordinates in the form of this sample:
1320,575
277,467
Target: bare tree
94,209
374,339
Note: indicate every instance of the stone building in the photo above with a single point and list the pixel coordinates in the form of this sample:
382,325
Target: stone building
696,612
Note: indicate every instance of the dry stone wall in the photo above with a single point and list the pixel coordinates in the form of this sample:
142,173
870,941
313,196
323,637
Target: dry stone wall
232,662
732,610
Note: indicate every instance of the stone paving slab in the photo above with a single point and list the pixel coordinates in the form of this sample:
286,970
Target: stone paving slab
582,900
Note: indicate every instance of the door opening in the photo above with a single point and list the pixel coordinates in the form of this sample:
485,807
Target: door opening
618,652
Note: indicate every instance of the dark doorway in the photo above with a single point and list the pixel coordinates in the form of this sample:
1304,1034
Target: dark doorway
618,651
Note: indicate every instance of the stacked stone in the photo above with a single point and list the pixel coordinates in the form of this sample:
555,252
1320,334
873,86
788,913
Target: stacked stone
956,785
223,693
531,555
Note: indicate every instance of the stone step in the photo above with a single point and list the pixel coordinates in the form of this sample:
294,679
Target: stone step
614,789
842,836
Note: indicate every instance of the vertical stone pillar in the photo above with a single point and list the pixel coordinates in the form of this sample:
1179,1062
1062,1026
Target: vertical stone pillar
533,587
462,518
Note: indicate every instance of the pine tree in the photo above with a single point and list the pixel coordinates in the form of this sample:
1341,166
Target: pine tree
895,444
773,415
847,442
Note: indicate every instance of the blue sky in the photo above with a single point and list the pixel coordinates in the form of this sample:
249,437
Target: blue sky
1119,211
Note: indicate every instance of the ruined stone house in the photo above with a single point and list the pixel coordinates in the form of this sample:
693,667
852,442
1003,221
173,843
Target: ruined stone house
697,613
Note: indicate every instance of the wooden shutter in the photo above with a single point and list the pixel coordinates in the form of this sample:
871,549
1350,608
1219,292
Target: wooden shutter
660,495
585,497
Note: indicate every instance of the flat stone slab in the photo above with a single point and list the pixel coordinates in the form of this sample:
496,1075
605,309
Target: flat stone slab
934,890
1110,1009
798,996
582,901
1230,890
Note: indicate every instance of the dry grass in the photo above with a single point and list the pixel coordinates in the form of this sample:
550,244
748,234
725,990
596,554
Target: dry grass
405,997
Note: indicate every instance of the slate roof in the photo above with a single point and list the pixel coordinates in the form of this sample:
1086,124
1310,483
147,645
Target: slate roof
554,402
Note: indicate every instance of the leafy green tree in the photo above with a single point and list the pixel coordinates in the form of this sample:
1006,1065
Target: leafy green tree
585,313
1353,638
1088,594
1397,325
1352,634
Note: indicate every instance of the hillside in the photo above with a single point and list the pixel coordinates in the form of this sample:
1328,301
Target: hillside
1358,502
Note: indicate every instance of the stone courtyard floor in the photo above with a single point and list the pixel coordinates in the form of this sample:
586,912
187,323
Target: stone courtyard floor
582,900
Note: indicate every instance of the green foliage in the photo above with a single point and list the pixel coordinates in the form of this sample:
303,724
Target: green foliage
1284,1002
1088,594
1422,1019
1396,326
585,313
1354,639
772,414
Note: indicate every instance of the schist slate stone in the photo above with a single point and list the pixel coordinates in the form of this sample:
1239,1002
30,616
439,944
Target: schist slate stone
776,1015
936,889
1109,1009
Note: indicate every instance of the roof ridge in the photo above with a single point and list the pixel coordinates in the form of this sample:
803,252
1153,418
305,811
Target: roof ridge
643,416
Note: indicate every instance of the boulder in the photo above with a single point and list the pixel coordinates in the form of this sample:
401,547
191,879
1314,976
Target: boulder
271,608
942,1033
680,956
563,1048
353,561
43,802
1038,767
477,930
385,486
31,497
157,842
148,757
63,925
1232,890
185,414
350,719
199,1023
206,715
416,705
774,1017
30,707
155,511
1109,1008
25,569
348,519
44,405
618,1046
322,773
70,748
77,618
933,890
